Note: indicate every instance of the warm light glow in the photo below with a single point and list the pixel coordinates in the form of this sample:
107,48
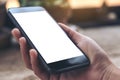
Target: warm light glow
12,3
85,3
112,2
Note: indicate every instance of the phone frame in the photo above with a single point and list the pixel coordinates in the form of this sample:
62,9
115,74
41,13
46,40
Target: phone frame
54,67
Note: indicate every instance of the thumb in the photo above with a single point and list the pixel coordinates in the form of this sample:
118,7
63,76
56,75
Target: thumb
73,35
67,29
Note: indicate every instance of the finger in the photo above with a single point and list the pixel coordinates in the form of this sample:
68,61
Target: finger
68,30
79,39
24,52
74,36
16,33
35,65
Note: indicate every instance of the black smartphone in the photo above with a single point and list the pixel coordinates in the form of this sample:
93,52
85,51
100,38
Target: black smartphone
56,50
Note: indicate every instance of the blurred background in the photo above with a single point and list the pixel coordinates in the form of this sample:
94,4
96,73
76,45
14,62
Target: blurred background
98,19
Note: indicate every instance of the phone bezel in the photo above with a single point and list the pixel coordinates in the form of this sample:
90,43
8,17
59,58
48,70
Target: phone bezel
59,66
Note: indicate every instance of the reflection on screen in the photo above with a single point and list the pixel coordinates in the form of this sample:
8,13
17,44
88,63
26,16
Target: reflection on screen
47,36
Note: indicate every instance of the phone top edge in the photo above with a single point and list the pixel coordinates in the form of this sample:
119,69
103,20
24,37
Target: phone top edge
25,9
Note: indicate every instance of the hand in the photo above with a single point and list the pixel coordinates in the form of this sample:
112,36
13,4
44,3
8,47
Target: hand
100,68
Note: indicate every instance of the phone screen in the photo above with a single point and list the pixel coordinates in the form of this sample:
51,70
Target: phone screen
49,39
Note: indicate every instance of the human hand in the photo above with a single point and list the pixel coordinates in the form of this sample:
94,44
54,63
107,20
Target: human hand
101,68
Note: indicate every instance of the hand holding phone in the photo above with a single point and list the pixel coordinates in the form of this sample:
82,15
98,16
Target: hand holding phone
100,62
55,49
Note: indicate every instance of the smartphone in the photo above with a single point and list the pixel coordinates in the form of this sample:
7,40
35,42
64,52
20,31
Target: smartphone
56,50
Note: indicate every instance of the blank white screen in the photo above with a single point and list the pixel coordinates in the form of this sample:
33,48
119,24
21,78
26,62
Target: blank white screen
48,38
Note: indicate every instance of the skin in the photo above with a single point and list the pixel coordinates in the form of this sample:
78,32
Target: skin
101,67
